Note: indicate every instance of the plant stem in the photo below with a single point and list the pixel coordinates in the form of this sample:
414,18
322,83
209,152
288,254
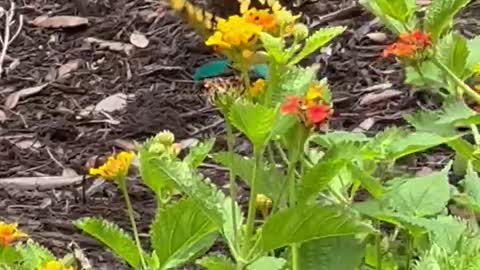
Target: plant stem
232,183
123,187
467,89
378,243
252,203
476,134
409,251
292,202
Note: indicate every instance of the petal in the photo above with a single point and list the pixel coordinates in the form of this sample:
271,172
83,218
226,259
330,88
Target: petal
318,114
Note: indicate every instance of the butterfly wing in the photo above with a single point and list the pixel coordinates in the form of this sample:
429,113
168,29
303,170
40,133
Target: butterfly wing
197,17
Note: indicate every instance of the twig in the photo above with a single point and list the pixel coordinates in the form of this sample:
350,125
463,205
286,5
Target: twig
7,39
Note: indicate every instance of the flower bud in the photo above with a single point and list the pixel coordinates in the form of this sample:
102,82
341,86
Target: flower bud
165,137
300,31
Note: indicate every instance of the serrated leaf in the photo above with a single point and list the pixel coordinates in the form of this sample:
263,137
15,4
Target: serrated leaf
10,256
317,40
427,74
338,252
197,154
181,232
228,228
213,68
33,254
253,120
274,47
216,262
471,184
445,231
113,237
453,52
474,56
270,263
319,176
294,81
304,223
371,184
384,14
421,196
269,180
387,260
456,112
151,174
440,14
335,137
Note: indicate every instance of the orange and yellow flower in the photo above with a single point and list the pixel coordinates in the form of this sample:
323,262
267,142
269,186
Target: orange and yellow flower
116,167
261,17
9,233
236,31
409,44
257,88
310,112
54,265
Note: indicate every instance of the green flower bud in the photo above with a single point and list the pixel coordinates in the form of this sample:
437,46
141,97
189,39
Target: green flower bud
165,137
300,31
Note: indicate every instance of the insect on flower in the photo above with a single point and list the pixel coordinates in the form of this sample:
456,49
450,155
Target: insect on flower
55,265
116,167
409,45
9,233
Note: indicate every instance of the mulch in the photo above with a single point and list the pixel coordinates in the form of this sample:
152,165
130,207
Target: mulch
49,133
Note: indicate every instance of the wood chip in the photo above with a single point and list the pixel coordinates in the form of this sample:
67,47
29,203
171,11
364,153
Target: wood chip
112,103
127,145
377,37
43,182
69,172
3,116
111,45
65,70
12,99
365,125
28,143
59,21
380,96
139,40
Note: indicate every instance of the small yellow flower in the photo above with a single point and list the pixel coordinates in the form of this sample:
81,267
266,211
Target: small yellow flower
115,167
261,17
314,92
235,31
9,233
257,88
54,265
216,40
263,204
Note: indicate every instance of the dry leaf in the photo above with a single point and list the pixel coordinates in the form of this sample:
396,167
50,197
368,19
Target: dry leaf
365,125
112,103
69,172
111,45
12,99
139,40
59,21
377,97
377,37
3,116
127,145
28,143
70,66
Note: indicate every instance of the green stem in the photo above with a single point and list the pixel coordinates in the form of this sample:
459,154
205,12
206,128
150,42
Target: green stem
232,183
252,203
292,202
123,187
409,251
378,243
467,89
476,134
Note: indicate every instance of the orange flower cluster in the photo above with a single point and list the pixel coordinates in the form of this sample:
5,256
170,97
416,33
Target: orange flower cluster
310,109
9,233
409,44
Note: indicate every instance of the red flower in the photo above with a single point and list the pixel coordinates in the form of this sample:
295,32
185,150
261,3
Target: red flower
291,105
318,113
408,44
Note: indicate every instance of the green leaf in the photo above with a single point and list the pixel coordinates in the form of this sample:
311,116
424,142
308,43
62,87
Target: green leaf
338,252
388,262
33,254
195,186
270,263
150,173
453,51
397,15
253,120
197,154
440,14
317,178
304,223
456,112
445,231
261,70
474,49
181,232
335,137
317,40
274,47
371,184
10,256
471,184
269,180
211,69
294,81
216,262
228,227
421,196
427,74
113,237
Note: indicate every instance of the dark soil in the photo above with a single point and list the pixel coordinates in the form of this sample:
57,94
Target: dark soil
49,133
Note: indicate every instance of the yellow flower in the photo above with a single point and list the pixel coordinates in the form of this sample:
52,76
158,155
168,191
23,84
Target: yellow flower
9,233
54,265
314,92
115,167
257,87
263,204
262,17
235,31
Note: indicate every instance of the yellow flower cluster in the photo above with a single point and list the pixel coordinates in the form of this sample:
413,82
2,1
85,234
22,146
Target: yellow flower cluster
9,233
115,167
55,265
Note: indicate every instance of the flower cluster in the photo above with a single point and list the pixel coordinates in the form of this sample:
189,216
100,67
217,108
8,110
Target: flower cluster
116,166
55,265
310,108
9,233
410,45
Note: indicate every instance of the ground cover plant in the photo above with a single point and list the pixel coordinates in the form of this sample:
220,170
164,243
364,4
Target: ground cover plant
304,209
